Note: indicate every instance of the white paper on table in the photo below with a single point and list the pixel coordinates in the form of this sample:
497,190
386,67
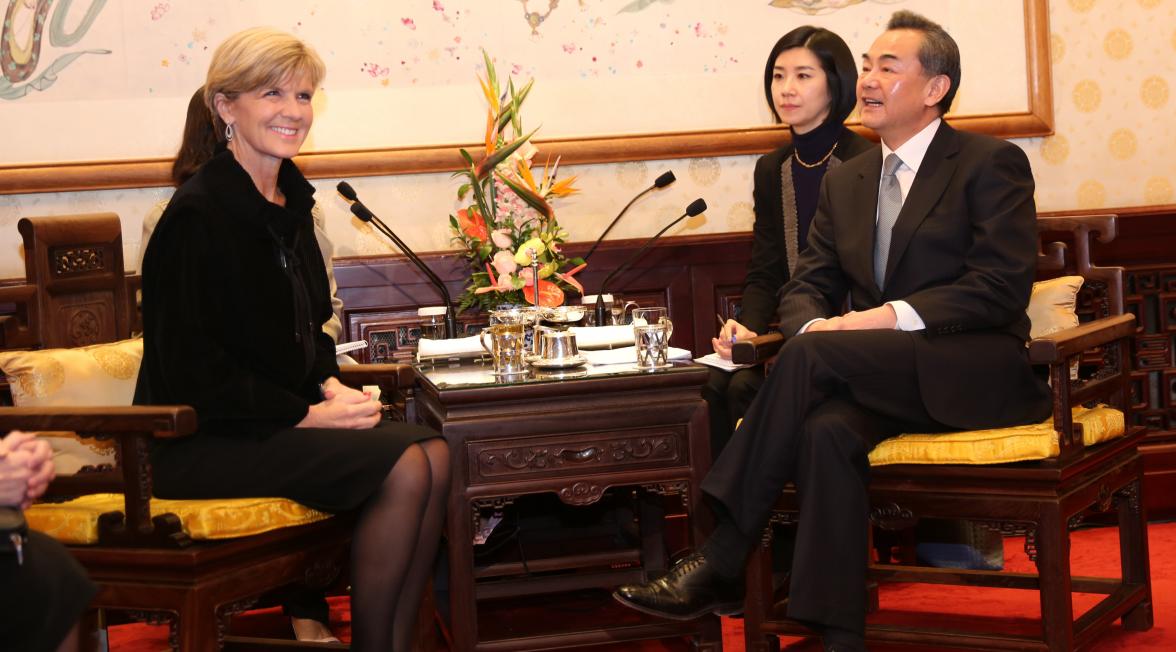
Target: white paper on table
627,355
719,362
460,347
602,337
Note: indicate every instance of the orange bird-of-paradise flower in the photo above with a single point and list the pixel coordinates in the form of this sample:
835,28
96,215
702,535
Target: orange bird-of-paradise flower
549,187
564,187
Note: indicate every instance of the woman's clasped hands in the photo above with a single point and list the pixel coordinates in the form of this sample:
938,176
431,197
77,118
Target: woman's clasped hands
26,468
342,407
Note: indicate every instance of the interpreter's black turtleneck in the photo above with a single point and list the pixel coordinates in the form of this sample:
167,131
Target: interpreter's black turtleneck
812,147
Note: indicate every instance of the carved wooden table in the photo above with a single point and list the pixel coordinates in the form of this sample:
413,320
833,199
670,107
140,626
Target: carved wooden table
577,436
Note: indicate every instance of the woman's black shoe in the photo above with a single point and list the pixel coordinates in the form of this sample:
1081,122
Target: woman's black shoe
691,589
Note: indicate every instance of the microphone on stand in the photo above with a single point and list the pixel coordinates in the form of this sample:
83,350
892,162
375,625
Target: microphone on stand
662,181
697,206
364,214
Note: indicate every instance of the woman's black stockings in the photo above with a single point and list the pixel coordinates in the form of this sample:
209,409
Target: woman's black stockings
394,548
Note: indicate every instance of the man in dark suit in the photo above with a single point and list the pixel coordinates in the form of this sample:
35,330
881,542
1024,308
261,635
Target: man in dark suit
931,239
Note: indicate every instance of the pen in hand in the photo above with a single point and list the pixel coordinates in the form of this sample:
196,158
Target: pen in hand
722,324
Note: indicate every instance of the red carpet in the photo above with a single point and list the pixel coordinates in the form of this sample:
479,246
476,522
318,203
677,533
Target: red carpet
1094,552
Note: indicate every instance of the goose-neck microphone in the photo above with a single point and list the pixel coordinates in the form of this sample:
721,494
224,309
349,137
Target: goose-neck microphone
696,207
366,215
662,181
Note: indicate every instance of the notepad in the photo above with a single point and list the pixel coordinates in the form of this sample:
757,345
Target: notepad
719,362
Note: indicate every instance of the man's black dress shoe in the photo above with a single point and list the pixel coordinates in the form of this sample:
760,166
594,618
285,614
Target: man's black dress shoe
691,589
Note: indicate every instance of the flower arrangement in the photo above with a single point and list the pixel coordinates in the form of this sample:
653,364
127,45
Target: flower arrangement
511,220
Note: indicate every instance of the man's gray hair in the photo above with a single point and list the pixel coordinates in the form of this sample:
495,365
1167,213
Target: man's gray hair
938,54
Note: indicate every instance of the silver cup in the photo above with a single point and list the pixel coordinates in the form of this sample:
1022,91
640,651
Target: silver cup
557,345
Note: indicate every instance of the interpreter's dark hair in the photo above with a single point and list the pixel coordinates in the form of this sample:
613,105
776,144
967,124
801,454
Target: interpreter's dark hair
836,60
938,53
198,143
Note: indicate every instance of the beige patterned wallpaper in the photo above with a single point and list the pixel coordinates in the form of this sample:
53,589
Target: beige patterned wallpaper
1114,68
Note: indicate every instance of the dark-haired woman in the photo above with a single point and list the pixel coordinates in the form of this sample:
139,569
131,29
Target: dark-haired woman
810,82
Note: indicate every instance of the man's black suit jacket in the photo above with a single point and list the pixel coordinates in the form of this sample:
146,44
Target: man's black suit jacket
963,255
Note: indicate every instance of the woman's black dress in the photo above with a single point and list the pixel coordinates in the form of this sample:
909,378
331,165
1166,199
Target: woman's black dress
234,297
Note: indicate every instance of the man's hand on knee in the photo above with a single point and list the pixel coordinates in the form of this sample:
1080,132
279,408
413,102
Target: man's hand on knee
882,317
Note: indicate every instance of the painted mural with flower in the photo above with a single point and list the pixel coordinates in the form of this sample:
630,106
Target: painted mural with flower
511,220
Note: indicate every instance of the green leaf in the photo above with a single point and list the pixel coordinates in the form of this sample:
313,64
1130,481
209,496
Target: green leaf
516,117
512,108
575,262
462,191
490,162
453,224
491,77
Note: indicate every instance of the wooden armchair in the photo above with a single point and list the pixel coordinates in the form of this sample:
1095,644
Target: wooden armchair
147,560
1041,497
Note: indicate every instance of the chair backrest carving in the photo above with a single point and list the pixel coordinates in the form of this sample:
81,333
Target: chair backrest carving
75,262
1103,287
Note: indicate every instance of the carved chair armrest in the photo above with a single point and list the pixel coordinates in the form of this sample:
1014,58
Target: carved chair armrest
395,381
389,376
1107,384
133,428
1057,347
162,421
757,350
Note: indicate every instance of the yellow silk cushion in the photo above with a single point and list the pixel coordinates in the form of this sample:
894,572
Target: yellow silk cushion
1051,306
97,375
76,521
1035,441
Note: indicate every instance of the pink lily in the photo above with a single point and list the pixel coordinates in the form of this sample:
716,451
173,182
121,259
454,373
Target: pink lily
501,238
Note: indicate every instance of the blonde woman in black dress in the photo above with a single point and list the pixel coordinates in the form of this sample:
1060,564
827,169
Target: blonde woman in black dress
234,298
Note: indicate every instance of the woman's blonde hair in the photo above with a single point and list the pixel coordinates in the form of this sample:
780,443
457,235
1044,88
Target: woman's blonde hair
255,58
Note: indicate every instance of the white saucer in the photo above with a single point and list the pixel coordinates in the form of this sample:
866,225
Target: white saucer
561,363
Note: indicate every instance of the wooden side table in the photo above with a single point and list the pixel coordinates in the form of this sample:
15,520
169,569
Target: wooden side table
575,435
